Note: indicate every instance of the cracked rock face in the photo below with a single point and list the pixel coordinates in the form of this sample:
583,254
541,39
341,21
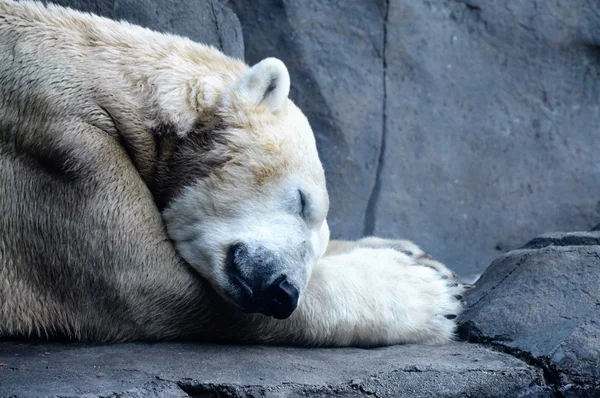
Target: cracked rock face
203,21
181,370
486,115
542,304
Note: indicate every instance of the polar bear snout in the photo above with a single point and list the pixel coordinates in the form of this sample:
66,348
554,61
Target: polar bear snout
280,299
257,284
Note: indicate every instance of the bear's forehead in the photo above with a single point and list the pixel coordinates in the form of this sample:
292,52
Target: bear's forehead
271,159
274,146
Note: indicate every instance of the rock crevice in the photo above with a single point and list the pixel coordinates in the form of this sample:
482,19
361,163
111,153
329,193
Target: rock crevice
369,227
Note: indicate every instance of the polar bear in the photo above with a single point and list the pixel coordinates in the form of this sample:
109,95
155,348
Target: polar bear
154,188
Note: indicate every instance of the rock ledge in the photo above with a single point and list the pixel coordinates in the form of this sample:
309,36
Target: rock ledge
197,370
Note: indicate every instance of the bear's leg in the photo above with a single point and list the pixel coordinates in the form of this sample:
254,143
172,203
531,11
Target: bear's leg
404,246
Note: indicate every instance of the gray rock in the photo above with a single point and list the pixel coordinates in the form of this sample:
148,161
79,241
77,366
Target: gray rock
493,120
492,113
179,369
333,50
564,239
202,21
543,305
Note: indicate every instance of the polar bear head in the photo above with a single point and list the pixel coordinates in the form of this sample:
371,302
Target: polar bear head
246,197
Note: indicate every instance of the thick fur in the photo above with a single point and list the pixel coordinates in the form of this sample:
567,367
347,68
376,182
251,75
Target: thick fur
131,160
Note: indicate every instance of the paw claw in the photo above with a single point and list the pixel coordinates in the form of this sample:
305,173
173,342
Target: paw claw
458,297
450,316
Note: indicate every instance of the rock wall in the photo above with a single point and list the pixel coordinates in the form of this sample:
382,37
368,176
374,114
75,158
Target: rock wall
466,126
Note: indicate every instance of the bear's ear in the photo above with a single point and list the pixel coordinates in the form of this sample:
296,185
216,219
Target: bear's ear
266,83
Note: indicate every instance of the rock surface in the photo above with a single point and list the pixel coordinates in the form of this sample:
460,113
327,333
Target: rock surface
542,304
179,370
203,21
590,238
486,115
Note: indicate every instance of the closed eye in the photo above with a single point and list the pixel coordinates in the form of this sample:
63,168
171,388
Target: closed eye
303,204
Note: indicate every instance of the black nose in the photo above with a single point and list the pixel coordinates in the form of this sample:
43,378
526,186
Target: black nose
281,298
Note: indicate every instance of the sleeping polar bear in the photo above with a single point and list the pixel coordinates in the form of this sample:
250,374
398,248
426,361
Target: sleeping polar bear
133,162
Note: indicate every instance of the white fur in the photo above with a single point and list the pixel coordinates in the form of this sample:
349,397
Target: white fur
272,145
203,237
256,83
370,297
